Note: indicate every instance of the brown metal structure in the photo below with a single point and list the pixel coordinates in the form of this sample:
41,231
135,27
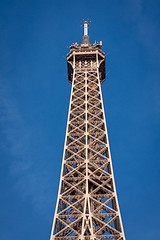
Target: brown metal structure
87,205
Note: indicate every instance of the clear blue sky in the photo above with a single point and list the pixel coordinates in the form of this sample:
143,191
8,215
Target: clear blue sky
34,100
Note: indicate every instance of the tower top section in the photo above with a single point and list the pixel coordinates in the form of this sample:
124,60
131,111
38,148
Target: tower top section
86,57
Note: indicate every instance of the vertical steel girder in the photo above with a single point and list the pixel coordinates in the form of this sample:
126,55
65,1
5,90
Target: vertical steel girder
87,205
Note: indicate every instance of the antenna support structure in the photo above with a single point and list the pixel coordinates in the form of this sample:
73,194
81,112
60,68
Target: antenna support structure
87,206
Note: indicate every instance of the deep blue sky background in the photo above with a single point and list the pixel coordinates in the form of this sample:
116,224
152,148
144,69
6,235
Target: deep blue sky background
34,100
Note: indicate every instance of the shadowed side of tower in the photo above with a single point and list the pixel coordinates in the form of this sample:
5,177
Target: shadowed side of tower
87,205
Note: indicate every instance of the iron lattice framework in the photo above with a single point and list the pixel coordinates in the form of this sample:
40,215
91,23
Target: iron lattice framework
87,205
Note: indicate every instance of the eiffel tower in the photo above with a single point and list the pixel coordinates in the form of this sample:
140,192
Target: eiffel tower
87,205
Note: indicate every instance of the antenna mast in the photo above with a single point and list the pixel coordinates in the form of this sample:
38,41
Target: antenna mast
85,37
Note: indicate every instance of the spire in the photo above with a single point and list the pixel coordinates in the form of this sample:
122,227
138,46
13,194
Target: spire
85,37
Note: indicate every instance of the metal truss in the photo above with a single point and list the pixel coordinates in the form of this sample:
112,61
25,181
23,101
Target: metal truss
87,205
